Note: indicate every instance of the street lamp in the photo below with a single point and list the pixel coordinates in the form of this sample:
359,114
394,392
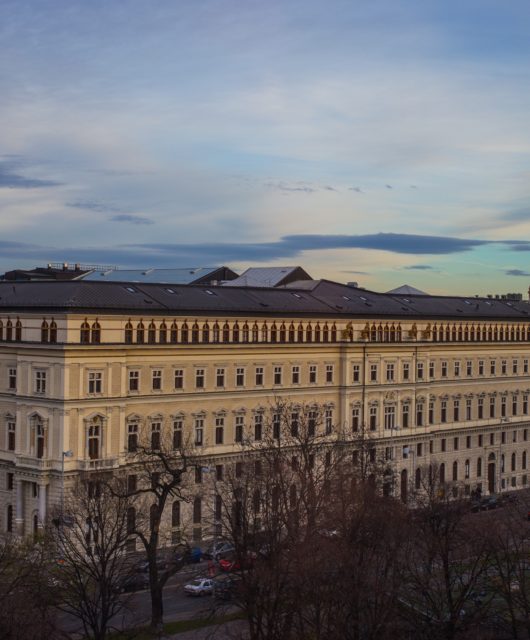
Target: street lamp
65,454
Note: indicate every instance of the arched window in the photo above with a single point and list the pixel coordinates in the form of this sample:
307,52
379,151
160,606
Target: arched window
460,333
373,333
40,439
380,333
132,437
274,333
398,333
151,333
447,333
226,332
264,332
140,333
94,440
325,333
174,333
206,332
156,432
9,331
317,332
453,333
96,332
292,333
386,333
255,332
245,333
128,332
300,337
235,332
53,331
283,332
466,333
216,332
195,332
334,333
309,333
85,333
162,334
184,333
479,467
514,462
44,331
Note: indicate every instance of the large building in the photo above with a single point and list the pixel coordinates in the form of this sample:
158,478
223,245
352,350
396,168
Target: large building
84,365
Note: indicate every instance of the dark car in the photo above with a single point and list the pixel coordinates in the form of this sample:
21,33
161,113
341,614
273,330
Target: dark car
133,582
226,587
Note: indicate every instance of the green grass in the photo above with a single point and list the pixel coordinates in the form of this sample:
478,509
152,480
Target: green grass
179,626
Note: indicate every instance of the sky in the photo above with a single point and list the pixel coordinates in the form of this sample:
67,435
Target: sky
380,141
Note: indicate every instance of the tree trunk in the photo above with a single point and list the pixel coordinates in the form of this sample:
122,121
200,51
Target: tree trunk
157,608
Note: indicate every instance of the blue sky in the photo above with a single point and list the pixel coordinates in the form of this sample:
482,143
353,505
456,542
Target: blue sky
377,141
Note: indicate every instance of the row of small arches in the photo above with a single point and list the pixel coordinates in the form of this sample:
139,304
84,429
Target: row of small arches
480,333
13,331
204,333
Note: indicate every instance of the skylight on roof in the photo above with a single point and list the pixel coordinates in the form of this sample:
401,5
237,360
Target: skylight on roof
363,298
170,290
210,293
131,289
346,298
297,295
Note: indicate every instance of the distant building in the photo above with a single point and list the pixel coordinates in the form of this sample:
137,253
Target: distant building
407,290
507,296
190,275
270,277
52,271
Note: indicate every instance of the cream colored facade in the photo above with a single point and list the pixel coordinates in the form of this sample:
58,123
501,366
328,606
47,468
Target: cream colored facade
452,391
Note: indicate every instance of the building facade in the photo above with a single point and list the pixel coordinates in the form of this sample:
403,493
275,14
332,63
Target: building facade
84,366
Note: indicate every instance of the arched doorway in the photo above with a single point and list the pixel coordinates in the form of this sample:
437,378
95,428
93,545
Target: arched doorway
491,473
404,486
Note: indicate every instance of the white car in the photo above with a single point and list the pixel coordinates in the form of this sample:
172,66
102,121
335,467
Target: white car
199,587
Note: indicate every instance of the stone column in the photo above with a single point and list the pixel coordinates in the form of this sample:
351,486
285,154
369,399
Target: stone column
19,514
42,504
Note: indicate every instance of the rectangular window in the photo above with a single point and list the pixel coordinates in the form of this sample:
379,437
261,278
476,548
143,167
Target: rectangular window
468,409
503,407
258,426
492,407
199,378
219,472
514,436
312,374
419,415
240,377
504,367
259,376
443,411
419,371
132,437
328,421
457,369
295,423
515,367
431,369
492,367
220,378
132,483
419,449
355,419
481,440
199,432
480,407
455,444
503,437
469,368
405,416
94,382
157,379
443,445
431,412
525,405
406,371
373,373
390,417
156,428
468,442
481,367
10,481
525,366
295,372
444,369
219,430
179,379
277,375
177,434
134,380
431,446
11,436
356,373
12,379
492,439
329,373
514,405
276,425
239,429
456,410
40,381
389,372
373,418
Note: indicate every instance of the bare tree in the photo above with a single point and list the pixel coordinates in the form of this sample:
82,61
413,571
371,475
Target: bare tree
156,475
90,540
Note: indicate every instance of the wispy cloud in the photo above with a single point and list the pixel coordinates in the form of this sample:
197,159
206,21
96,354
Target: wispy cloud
93,205
517,272
419,267
131,219
11,180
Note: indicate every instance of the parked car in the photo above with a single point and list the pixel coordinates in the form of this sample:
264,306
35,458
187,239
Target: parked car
199,587
133,582
226,587
219,549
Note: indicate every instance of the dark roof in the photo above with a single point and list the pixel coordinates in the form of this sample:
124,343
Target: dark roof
321,298
191,275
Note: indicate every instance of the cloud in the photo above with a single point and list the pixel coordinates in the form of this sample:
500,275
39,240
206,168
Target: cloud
93,205
127,217
297,186
356,189
517,272
419,267
11,180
